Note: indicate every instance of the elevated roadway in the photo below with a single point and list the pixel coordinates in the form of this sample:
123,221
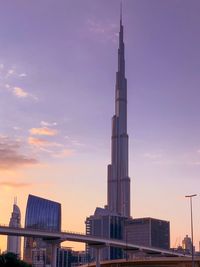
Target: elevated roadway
150,262
97,242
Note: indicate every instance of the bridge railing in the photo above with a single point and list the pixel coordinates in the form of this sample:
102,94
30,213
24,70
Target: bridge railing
54,231
42,230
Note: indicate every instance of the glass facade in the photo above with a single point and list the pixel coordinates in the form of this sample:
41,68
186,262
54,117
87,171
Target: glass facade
41,214
14,242
108,225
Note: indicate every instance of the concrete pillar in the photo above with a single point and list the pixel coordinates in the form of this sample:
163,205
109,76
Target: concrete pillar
98,256
54,255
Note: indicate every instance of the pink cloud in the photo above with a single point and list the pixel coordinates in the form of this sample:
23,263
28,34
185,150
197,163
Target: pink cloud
13,184
43,131
10,155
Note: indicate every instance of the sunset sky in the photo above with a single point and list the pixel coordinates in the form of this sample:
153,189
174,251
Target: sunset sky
58,60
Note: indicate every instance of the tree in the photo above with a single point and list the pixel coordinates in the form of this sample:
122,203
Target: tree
11,260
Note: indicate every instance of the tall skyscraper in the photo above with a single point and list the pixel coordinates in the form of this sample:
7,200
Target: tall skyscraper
109,222
114,220
14,242
118,179
42,214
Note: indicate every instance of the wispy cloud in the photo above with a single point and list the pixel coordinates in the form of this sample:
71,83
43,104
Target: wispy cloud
107,31
77,143
10,78
19,92
22,75
43,140
16,128
10,72
153,156
53,149
40,142
74,142
13,184
63,153
22,93
43,131
48,124
10,155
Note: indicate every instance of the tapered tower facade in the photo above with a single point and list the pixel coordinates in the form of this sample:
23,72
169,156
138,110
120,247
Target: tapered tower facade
109,222
14,242
118,179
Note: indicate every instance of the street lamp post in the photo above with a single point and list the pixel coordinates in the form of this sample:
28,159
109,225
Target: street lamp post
190,197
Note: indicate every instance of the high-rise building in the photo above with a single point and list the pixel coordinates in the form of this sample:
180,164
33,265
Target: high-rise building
108,225
109,221
70,258
116,214
14,242
148,232
118,179
41,214
64,258
187,244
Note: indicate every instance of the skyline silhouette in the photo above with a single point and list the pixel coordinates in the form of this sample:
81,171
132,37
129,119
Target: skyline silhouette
57,76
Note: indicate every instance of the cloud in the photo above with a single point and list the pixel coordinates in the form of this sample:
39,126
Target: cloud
10,72
16,128
54,149
7,72
73,142
40,142
153,156
10,155
107,32
19,92
14,184
7,86
9,77
64,153
22,75
77,143
48,124
43,131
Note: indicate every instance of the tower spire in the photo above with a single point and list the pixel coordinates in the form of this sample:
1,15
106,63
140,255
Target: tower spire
118,179
121,13
121,61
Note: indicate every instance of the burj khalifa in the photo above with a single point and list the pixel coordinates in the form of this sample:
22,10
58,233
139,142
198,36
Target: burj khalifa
109,222
118,179
114,220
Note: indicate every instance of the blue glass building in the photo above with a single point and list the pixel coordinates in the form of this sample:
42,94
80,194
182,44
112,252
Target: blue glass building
41,214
